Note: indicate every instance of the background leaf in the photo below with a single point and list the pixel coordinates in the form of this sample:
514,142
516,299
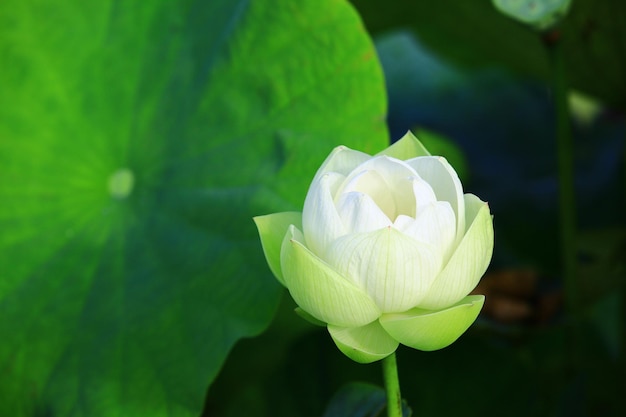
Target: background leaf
503,126
473,34
127,303
359,399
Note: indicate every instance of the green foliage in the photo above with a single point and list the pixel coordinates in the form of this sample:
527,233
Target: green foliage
360,400
137,140
474,34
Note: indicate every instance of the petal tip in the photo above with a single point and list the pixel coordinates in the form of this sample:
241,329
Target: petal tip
366,344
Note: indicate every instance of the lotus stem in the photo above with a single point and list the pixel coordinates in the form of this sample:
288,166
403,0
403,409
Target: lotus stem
567,201
392,386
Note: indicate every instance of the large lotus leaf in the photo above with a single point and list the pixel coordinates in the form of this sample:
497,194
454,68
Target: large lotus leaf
137,140
474,34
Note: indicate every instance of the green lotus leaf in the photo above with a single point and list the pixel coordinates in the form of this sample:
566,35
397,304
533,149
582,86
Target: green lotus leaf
448,29
137,140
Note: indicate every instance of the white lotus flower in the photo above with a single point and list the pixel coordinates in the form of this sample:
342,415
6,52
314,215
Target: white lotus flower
386,250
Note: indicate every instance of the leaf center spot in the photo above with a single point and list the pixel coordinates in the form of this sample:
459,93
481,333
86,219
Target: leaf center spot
121,183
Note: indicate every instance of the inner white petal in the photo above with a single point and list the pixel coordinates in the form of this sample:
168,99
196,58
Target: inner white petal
424,194
444,181
374,185
402,222
360,213
388,181
436,224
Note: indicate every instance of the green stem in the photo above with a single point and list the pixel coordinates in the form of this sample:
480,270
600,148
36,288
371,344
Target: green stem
621,368
392,386
565,150
567,202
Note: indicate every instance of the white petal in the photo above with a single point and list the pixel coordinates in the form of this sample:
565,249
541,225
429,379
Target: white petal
403,222
388,181
372,184
436,225
394,269
320,221
469,261
360,214
443,179
342,160
424,195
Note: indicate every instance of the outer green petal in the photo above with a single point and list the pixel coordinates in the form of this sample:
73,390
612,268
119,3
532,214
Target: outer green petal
364,344
468,263
406,148
431,330
320,290
305,315
272,229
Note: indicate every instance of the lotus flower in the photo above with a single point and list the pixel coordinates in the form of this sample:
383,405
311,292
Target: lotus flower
385,251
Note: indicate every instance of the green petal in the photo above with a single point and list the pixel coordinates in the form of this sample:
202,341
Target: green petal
320,290
406,148
308,317
468,263
431,330
272,229
364,344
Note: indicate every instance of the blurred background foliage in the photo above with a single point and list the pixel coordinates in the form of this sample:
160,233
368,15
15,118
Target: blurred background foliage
223,110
